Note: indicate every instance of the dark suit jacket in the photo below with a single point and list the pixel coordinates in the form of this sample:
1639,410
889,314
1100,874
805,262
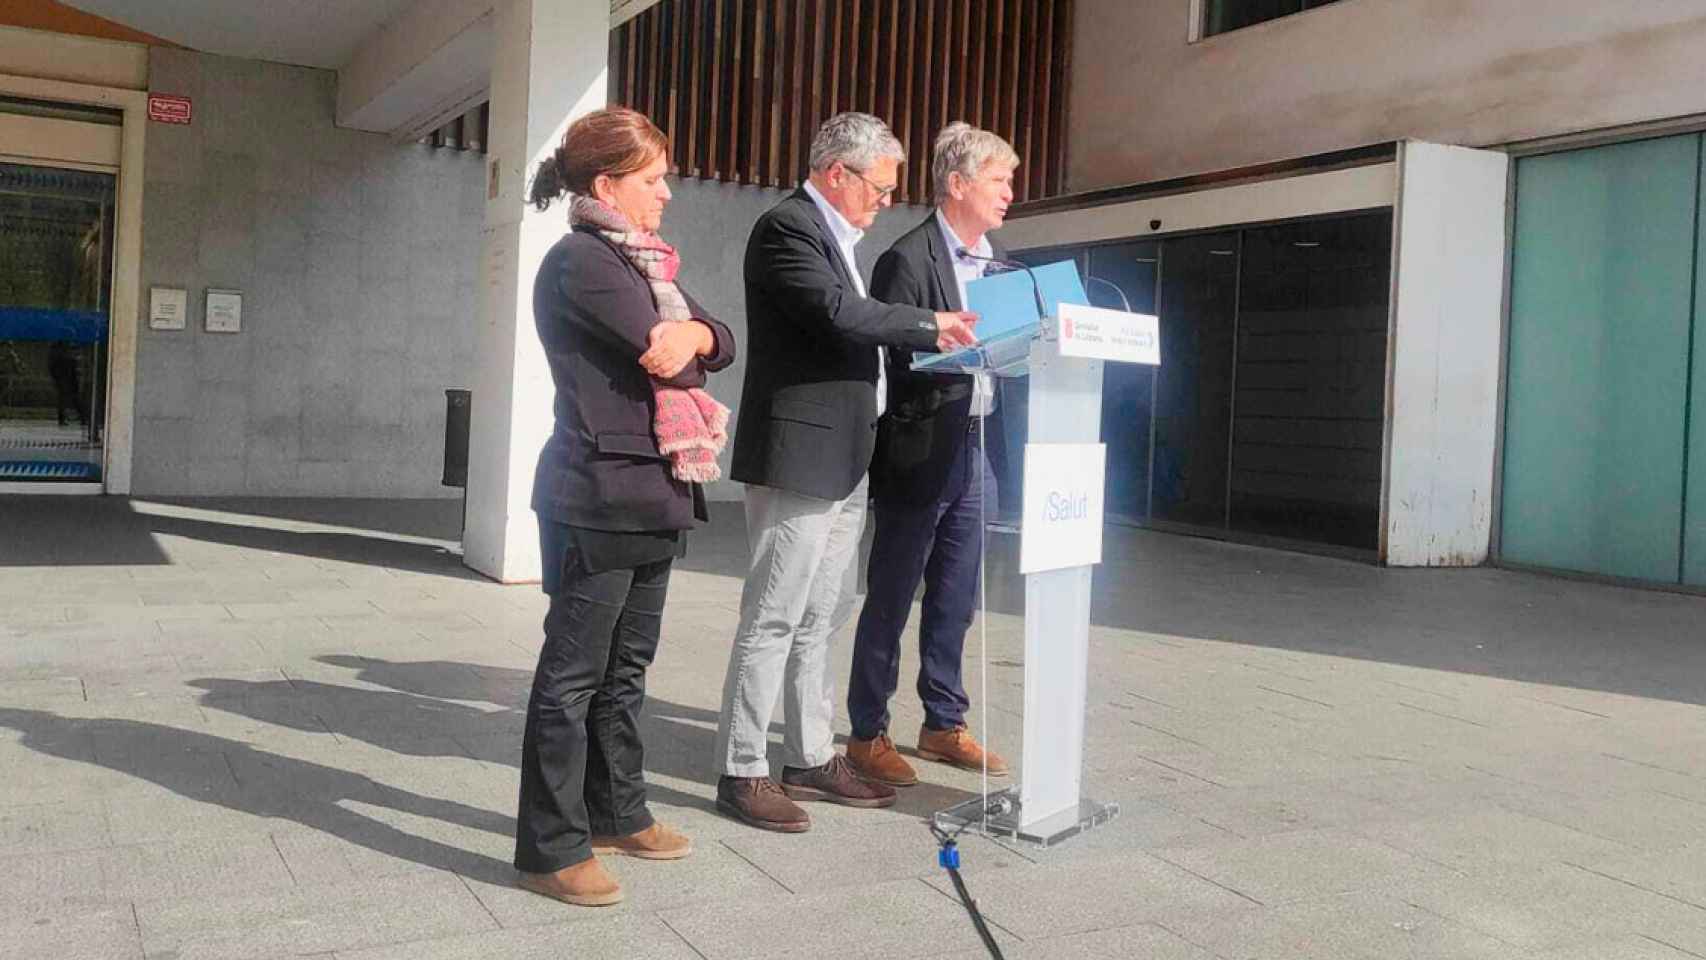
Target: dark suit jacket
601,468
808,412
924,427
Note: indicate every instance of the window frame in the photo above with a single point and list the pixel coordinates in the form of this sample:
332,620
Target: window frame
1199,20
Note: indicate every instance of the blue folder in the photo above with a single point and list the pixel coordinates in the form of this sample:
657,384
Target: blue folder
1007,317
1004,302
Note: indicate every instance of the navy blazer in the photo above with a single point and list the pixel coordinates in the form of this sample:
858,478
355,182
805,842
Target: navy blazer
601,468
924,427
808,411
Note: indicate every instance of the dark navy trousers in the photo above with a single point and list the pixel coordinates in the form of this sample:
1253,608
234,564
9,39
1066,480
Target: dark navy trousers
940,543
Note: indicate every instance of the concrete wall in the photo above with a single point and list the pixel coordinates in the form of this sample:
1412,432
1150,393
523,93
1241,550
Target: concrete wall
358,259
709,223
1444,348
1147,105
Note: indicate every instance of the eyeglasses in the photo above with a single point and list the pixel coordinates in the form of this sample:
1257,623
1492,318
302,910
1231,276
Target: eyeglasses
883,193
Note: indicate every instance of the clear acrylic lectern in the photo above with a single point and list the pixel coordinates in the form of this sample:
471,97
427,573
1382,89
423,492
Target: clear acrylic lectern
1047,805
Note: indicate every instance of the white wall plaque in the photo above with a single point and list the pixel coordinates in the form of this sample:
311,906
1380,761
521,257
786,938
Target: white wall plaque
1109,334
167,307
224,311
1063,506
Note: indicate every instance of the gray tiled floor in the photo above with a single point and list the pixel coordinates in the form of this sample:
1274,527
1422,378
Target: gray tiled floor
281,728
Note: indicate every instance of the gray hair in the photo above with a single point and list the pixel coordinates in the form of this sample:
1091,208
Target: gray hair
856,140
964,149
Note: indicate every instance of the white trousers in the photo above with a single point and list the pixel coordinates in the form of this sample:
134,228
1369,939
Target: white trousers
801,588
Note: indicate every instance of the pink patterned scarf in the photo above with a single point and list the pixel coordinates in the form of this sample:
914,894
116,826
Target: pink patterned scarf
691,426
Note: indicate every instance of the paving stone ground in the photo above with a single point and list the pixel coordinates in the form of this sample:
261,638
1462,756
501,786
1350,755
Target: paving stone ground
256,729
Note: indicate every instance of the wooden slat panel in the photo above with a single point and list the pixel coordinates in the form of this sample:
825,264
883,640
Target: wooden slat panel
675,49
980,28
889,58
756,113
923,48
654,53
1060,107
1045,73
901,120
960,65
819,81
736,121
798,95
1025,134
832,62
776,96
692,111
740,86
850,58
1009,77
712,166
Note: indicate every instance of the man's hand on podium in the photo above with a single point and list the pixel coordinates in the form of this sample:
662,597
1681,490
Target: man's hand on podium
954,330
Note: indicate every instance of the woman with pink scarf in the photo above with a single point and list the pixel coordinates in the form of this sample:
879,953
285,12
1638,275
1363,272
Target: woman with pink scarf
618,484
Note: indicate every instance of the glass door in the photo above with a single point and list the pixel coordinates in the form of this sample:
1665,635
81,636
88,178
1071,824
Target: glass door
1596,425
56,243
1194,385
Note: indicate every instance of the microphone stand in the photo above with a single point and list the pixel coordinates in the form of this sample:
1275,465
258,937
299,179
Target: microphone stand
1036,288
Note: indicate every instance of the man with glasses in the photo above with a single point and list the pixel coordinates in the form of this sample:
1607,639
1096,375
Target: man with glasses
803,443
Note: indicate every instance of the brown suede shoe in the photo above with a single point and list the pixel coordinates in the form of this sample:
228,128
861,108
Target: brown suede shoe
586,884
836,782
656,842
960,748
759,802
877,759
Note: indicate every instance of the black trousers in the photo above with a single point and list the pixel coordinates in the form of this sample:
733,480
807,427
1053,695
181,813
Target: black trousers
581,755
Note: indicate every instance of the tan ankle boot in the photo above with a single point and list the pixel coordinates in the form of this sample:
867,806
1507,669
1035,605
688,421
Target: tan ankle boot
960,748
586,884
656,842
877,759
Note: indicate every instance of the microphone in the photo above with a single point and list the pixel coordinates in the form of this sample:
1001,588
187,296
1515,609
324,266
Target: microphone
1036,288
1115,287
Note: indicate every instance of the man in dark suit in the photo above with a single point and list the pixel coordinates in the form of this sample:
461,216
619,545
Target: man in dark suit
803,442
931,482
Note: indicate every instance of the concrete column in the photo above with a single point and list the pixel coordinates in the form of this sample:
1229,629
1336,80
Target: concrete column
1449,261
549,62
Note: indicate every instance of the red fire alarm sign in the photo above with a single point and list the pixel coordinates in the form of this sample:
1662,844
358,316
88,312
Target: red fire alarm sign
166,109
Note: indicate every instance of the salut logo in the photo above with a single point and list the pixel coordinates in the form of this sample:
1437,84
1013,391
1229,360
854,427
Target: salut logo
1066,506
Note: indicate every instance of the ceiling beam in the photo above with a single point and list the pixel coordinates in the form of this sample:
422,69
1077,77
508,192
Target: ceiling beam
424,66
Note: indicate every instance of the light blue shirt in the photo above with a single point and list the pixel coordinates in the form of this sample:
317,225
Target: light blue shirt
966,270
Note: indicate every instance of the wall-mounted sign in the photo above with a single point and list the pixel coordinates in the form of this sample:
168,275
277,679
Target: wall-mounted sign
1063,506
167,307
165,109
224,311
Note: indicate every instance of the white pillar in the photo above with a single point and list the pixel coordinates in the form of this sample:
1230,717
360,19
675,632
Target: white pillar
1449,260
549,64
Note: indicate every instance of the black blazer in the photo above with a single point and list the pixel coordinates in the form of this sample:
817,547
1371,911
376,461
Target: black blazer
924,427
601,468
808,411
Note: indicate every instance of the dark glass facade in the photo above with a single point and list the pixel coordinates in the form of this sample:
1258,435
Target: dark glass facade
1266,416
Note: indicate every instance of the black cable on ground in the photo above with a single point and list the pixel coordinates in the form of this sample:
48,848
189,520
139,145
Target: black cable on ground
949,858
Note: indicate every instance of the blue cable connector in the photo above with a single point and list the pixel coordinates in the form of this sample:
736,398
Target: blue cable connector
949,856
